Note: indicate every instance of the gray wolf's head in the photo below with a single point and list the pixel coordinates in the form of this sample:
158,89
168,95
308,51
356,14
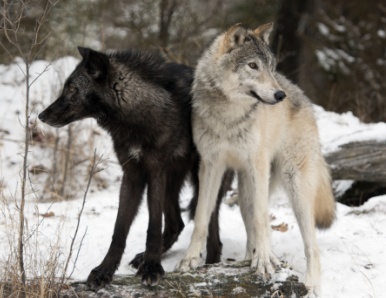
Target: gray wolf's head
247,65
83,91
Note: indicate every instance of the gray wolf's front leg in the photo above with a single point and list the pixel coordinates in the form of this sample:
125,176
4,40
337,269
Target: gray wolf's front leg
210,175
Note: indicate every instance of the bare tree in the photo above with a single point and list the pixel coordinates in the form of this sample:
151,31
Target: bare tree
12,15
287,40
167,9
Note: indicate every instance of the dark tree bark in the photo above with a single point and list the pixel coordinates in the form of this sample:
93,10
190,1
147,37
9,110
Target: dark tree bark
287,41
167,9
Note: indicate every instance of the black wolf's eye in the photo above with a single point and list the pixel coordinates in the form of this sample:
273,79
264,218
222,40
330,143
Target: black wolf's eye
252,65
71,88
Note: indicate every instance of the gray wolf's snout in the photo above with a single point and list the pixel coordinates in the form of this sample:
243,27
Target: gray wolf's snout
280,95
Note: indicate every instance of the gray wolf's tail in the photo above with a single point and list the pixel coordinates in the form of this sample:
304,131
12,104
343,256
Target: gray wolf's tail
324,205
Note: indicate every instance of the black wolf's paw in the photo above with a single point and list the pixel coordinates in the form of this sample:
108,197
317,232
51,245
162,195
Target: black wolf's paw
137,261
99,277
213,258
151,273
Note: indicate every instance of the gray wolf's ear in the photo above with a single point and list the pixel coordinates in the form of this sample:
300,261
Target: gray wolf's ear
264,32
233,38
96,63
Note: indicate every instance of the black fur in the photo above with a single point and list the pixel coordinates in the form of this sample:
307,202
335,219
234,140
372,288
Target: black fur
145,105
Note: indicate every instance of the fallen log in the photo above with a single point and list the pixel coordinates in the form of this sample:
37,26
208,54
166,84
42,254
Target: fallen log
359,161
233,279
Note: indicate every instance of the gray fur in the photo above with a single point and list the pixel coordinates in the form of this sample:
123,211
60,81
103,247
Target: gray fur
249,118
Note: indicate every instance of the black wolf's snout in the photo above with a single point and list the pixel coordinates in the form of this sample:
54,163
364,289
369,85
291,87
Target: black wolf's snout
43,116
279,95
53,116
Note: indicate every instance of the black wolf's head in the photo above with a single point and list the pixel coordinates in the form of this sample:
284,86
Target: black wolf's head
83,91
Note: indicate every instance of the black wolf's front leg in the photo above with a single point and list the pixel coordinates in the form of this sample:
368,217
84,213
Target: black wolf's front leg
151,269
132,187
213,244
172,212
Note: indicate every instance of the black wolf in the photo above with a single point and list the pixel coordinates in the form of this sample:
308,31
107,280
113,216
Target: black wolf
145,105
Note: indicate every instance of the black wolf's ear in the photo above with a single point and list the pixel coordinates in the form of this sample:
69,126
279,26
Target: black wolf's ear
264,32
233,38
83,52
96,63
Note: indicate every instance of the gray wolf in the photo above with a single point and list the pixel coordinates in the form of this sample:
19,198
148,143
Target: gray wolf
248,117
145,105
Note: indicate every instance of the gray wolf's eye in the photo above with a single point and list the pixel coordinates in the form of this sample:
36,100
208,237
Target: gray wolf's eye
252,65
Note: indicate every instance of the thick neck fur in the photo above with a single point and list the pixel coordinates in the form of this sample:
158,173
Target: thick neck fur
135,89
147,105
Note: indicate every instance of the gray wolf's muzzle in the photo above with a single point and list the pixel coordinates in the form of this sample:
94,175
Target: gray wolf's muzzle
279,95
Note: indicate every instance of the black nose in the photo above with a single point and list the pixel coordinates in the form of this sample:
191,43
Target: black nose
279,95
42,116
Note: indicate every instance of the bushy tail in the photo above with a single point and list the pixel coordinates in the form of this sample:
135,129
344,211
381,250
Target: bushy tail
324,207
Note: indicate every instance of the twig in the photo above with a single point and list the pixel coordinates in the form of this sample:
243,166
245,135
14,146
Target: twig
77,255
93,171
32,232
66,160
24,177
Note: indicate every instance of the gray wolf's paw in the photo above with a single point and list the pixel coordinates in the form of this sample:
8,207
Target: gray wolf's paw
188,264
233,200
100,276
151,273
310,295
265,266
313,292
312,283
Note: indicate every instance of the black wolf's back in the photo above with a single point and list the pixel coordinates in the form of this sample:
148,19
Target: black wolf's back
177,78
146,64
153,68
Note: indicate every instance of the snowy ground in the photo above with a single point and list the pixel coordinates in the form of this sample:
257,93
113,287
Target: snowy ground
352,251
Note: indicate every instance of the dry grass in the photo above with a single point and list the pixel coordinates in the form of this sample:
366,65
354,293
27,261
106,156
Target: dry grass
47,261
42,265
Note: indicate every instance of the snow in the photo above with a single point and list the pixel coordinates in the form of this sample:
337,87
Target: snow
332,58
381,33
338,129
323,29
352,251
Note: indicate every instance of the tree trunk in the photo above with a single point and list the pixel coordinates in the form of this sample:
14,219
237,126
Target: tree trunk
287,41
167,9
